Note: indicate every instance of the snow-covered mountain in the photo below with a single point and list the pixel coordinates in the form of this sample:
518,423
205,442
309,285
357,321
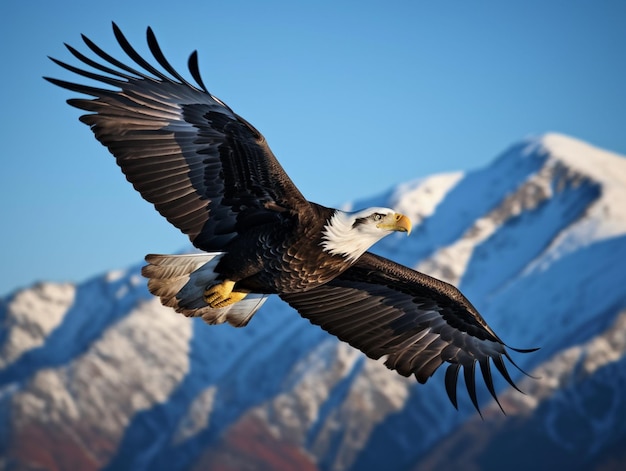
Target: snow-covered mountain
100,376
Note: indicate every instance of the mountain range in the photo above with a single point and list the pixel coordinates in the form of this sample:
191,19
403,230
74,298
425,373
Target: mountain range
99,375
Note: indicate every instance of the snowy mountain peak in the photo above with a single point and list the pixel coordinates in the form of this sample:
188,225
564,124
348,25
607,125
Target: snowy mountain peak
599,164
566,187
605,216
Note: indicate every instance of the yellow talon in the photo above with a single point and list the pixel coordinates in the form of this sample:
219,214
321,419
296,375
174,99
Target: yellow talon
222,294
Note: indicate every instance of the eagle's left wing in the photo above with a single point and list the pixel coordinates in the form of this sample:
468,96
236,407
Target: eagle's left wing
204,168
417,322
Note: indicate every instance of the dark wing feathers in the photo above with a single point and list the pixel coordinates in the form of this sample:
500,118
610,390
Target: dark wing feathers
206,169
417,322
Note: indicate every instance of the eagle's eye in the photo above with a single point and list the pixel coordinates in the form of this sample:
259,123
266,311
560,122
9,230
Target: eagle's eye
377,216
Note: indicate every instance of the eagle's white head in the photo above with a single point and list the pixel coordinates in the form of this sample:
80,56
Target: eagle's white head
352,234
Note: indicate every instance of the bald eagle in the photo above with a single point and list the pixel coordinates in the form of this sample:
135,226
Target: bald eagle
213,176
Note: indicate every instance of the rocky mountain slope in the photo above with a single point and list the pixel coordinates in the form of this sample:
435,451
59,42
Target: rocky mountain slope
100,376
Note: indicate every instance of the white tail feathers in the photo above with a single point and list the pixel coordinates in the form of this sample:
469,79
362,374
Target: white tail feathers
180,281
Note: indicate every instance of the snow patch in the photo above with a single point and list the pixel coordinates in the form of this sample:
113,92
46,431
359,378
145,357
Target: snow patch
418,199
31,316
307,387
114,275
373,395
599,164
136,280
197,417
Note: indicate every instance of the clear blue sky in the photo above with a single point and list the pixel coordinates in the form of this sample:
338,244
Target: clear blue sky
353,97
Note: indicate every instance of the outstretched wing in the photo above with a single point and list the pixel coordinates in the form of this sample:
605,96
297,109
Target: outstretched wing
206,169
417,322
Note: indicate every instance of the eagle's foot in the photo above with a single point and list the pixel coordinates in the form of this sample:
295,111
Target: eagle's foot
222,294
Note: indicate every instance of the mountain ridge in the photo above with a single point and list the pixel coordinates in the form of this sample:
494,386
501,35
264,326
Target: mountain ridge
125,383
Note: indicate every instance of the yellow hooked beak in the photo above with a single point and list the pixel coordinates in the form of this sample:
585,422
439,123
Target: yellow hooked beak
396,222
